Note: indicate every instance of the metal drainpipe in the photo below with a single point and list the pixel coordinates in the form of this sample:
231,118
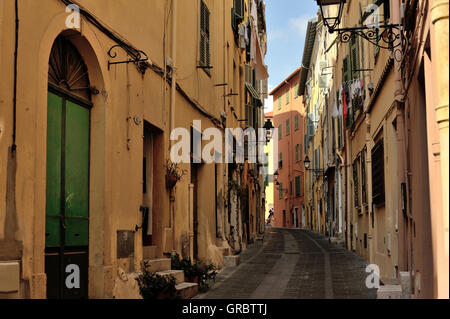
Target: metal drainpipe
16,50
439,16
172,106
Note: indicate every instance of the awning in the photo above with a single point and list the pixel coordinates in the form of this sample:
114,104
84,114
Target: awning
252,91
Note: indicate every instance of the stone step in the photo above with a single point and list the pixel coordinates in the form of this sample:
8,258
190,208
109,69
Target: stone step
232,261
155,265
390,292
187,290
150,252
225,251
178,274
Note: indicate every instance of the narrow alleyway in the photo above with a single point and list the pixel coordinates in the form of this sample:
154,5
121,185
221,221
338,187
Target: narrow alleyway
293,264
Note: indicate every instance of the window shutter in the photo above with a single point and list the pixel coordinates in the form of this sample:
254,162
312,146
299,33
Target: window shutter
355,182
296,125
346,69
279,103
378,194
204,35
296,90
354,54
288,127
287,97
363,176
280,132
297,186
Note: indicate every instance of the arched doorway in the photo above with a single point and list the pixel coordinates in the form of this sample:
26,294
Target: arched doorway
67,182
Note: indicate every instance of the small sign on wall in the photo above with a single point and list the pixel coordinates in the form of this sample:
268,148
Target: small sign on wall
125,243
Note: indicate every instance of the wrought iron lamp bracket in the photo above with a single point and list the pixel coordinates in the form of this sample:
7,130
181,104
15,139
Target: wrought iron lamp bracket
138,58
385,36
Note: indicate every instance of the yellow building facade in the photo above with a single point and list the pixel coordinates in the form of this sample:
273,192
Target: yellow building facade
114,68
388,113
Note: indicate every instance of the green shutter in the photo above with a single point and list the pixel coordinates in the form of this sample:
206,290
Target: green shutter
280,189
280,132
77,175
296,119
53,193
296,90
287,97
279,103
288,127
354,57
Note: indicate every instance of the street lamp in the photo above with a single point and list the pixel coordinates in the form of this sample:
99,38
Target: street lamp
386,36
307,163
329,21
269,127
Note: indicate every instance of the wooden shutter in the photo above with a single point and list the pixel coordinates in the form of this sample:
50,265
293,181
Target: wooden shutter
378,194
287,97
355,182
354,56
288,127
296,124
363,176
280,132
204,35
297,186
346,69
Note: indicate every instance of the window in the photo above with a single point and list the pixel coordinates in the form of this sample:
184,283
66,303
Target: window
280,189
296,91
279,103
287,97
298,152
297,186
354,56
204,36
339,134
378,195
280,160
237,14
280,132
288,127
355,182
296,122
363,176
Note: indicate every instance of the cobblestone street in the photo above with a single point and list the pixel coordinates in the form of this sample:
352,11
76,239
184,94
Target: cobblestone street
293,264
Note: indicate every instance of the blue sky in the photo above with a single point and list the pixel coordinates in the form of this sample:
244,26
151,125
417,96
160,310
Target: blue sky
287,21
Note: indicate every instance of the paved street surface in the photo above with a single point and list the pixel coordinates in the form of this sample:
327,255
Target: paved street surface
293,264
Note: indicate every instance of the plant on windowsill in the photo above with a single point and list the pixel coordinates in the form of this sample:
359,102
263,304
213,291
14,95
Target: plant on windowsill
174,174
155,287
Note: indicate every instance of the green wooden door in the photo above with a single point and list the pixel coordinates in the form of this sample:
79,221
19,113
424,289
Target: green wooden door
67,208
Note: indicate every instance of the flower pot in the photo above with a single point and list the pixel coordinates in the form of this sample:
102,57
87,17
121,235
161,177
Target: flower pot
163,295
193,279
171,181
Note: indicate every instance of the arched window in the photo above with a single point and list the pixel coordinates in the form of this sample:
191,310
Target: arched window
67,70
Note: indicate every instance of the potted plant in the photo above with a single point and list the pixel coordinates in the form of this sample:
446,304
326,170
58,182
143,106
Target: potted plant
155,287
173,174
196,272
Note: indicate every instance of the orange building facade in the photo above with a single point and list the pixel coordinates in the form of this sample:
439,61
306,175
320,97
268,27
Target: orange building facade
288,117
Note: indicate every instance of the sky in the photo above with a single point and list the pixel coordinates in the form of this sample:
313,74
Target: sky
287,21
